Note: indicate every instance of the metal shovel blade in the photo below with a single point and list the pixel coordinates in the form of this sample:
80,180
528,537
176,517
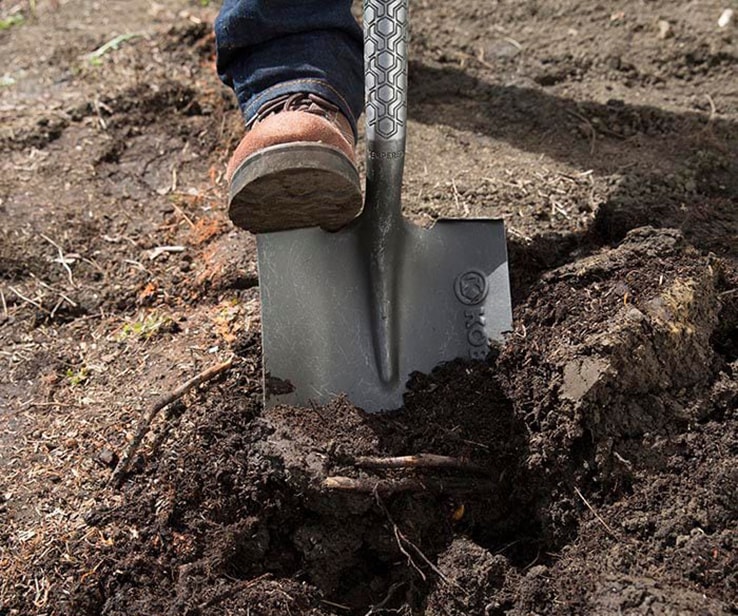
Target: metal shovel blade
320,339
358,311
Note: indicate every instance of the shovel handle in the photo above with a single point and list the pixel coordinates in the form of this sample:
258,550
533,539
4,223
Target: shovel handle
381,225
385,59
385,69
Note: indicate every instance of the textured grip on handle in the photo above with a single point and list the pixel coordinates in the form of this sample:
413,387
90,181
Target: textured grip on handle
385,59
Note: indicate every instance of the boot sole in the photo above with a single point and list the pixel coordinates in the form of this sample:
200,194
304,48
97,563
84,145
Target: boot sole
295,185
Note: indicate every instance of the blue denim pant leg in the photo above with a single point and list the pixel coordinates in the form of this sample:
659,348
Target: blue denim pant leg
267,48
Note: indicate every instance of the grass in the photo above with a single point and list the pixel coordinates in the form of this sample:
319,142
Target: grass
78,376
146,327
95,57
12,20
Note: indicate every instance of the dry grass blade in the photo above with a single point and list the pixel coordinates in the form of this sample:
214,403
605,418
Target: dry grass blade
62,259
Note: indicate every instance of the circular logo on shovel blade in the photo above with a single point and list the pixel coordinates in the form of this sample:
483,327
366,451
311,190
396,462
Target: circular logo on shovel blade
471,287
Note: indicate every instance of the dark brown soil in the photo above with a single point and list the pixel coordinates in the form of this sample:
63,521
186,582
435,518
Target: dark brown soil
598,450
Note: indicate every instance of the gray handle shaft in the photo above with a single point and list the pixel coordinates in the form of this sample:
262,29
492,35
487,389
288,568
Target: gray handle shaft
381,227
385,68
385,60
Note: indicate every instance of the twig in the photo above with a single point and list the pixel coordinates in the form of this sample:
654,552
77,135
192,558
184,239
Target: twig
628,464
52,289
233,590
480,58
513,231
181,212
173,187
457,198
588,124
155,253
421,460
534,561
98,110
5,305
346,608
28,300
713,108
393,486
148,417
610,531
62,259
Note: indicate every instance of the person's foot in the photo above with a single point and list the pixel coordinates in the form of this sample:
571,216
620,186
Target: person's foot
295,167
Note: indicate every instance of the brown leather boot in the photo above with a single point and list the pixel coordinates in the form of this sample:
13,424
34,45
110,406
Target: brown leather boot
295,167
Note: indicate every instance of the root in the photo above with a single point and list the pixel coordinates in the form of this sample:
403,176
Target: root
232,591
421,460
394,486
403,543
116,479
605,525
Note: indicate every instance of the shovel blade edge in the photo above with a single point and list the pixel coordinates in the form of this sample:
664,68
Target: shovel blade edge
451,298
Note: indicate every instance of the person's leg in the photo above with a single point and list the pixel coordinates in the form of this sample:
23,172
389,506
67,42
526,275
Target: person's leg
296,67
266,48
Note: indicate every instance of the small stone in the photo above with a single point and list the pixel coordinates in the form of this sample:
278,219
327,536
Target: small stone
726,18
665,30
502,48
581,375
107,457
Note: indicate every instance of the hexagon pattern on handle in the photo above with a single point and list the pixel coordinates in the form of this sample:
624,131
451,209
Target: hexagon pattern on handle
385,58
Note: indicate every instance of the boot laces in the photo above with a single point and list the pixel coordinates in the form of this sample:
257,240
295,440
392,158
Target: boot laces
299,101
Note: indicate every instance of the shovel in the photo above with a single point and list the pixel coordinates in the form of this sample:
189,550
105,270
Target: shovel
356,312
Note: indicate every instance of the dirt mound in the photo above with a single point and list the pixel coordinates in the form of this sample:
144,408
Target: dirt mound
599,468
605,405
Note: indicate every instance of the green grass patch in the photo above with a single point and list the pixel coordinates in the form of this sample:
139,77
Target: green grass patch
95,57
12,20
77,376
147,327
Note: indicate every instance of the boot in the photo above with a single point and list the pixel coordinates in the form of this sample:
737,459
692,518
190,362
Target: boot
294,168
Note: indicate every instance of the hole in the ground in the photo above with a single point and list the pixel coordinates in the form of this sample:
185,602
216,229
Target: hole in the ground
725,342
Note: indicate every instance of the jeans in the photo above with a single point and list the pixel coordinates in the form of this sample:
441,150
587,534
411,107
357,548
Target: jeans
266,48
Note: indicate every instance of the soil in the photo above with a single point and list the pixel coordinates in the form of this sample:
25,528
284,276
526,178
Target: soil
597,452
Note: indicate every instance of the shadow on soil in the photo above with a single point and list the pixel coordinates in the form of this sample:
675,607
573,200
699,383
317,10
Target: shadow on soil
665,170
